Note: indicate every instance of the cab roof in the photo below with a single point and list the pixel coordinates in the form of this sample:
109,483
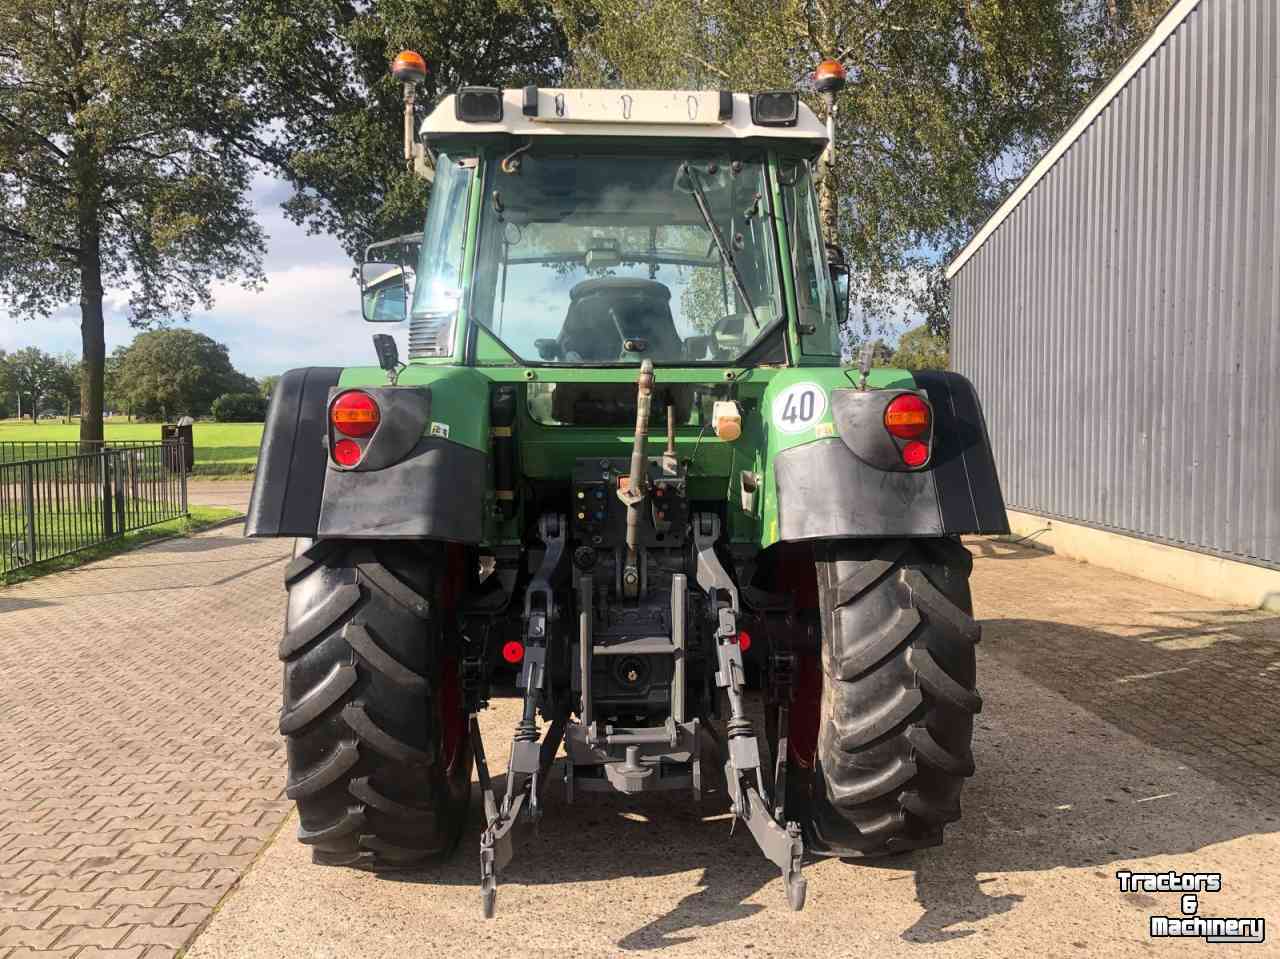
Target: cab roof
668,114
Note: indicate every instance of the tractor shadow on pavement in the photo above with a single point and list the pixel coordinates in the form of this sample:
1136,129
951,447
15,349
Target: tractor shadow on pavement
602,837
1056,788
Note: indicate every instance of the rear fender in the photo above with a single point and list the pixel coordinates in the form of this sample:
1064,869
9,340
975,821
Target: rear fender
854,484
408,485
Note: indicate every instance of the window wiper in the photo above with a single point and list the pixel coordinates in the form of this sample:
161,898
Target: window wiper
700,198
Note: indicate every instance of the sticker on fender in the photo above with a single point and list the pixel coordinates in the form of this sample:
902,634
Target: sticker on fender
799,407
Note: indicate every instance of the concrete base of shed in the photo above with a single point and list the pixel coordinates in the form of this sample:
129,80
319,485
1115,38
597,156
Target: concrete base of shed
1212,576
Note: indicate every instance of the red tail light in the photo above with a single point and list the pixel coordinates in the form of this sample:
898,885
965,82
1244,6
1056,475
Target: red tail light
915,454
744,640
346,452
512,651
907,417
354,414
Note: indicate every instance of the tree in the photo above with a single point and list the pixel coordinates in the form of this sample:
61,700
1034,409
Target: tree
323,68
168,372
119,164
114,396
64,387
949,102
36,375
240,408
267,385
921,349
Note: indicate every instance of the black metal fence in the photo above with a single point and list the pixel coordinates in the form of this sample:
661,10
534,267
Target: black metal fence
17,451
55,505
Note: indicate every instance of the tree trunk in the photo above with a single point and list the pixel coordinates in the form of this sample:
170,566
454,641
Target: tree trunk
828,202
93,342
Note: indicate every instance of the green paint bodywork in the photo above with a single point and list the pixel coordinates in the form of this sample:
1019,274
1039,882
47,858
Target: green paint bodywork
461,387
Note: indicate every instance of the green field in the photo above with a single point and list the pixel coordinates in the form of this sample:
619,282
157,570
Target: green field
222,449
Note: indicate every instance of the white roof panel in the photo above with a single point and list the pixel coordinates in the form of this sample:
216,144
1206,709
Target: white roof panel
626,113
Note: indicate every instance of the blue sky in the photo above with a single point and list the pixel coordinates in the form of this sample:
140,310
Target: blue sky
308,313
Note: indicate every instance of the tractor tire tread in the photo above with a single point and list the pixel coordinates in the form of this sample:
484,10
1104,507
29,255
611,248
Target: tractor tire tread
363,640
896,715
362,712
309,559
319,699
328,772
319,620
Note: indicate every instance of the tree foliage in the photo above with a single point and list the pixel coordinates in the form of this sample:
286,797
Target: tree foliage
949,102
176,371
119,164
322,68
922,349
240,408
39,377
130,131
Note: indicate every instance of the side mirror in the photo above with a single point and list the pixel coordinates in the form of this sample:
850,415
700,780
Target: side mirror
838,267
384,292
386,279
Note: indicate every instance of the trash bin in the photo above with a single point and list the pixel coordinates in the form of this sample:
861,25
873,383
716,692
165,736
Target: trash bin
180,449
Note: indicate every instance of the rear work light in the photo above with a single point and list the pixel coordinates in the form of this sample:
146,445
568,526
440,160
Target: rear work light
907,417
354,414
775,108
478,105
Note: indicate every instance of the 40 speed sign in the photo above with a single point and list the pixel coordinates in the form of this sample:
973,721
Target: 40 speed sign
799,407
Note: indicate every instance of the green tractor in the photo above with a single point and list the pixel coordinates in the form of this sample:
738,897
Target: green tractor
598,266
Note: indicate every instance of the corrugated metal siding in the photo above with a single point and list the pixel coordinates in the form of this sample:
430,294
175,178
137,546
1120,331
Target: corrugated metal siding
1122,326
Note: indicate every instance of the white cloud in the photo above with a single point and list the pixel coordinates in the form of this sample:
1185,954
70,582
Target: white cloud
307,314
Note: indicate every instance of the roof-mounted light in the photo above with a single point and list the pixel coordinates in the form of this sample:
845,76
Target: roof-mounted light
409,67
775,108
829,77
478,105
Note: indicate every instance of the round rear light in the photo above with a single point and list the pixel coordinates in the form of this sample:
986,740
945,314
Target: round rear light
346,452
354,414
512,651
915,454
907,416
744,640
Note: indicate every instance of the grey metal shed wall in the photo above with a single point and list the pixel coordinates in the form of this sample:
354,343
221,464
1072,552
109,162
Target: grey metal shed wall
1122,326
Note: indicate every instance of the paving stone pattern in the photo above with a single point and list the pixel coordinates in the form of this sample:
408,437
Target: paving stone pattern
1178,671
140,768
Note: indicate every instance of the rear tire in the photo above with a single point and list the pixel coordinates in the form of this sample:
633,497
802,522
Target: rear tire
898,698
379,757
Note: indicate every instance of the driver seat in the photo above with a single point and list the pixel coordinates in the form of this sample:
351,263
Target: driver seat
642,308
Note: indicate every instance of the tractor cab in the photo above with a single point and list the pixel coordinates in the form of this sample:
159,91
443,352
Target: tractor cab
593,228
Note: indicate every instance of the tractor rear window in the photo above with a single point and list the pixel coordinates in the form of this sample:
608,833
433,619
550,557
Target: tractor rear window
600,260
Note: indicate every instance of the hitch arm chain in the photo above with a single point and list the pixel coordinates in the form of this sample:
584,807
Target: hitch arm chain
778,838
530,760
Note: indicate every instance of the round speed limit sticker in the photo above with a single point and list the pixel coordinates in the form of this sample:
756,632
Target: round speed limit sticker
799,407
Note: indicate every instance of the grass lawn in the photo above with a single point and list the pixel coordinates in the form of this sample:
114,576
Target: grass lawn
201,517
222,449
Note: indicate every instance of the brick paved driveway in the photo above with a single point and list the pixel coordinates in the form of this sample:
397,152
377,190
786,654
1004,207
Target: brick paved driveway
1178,671
140,770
